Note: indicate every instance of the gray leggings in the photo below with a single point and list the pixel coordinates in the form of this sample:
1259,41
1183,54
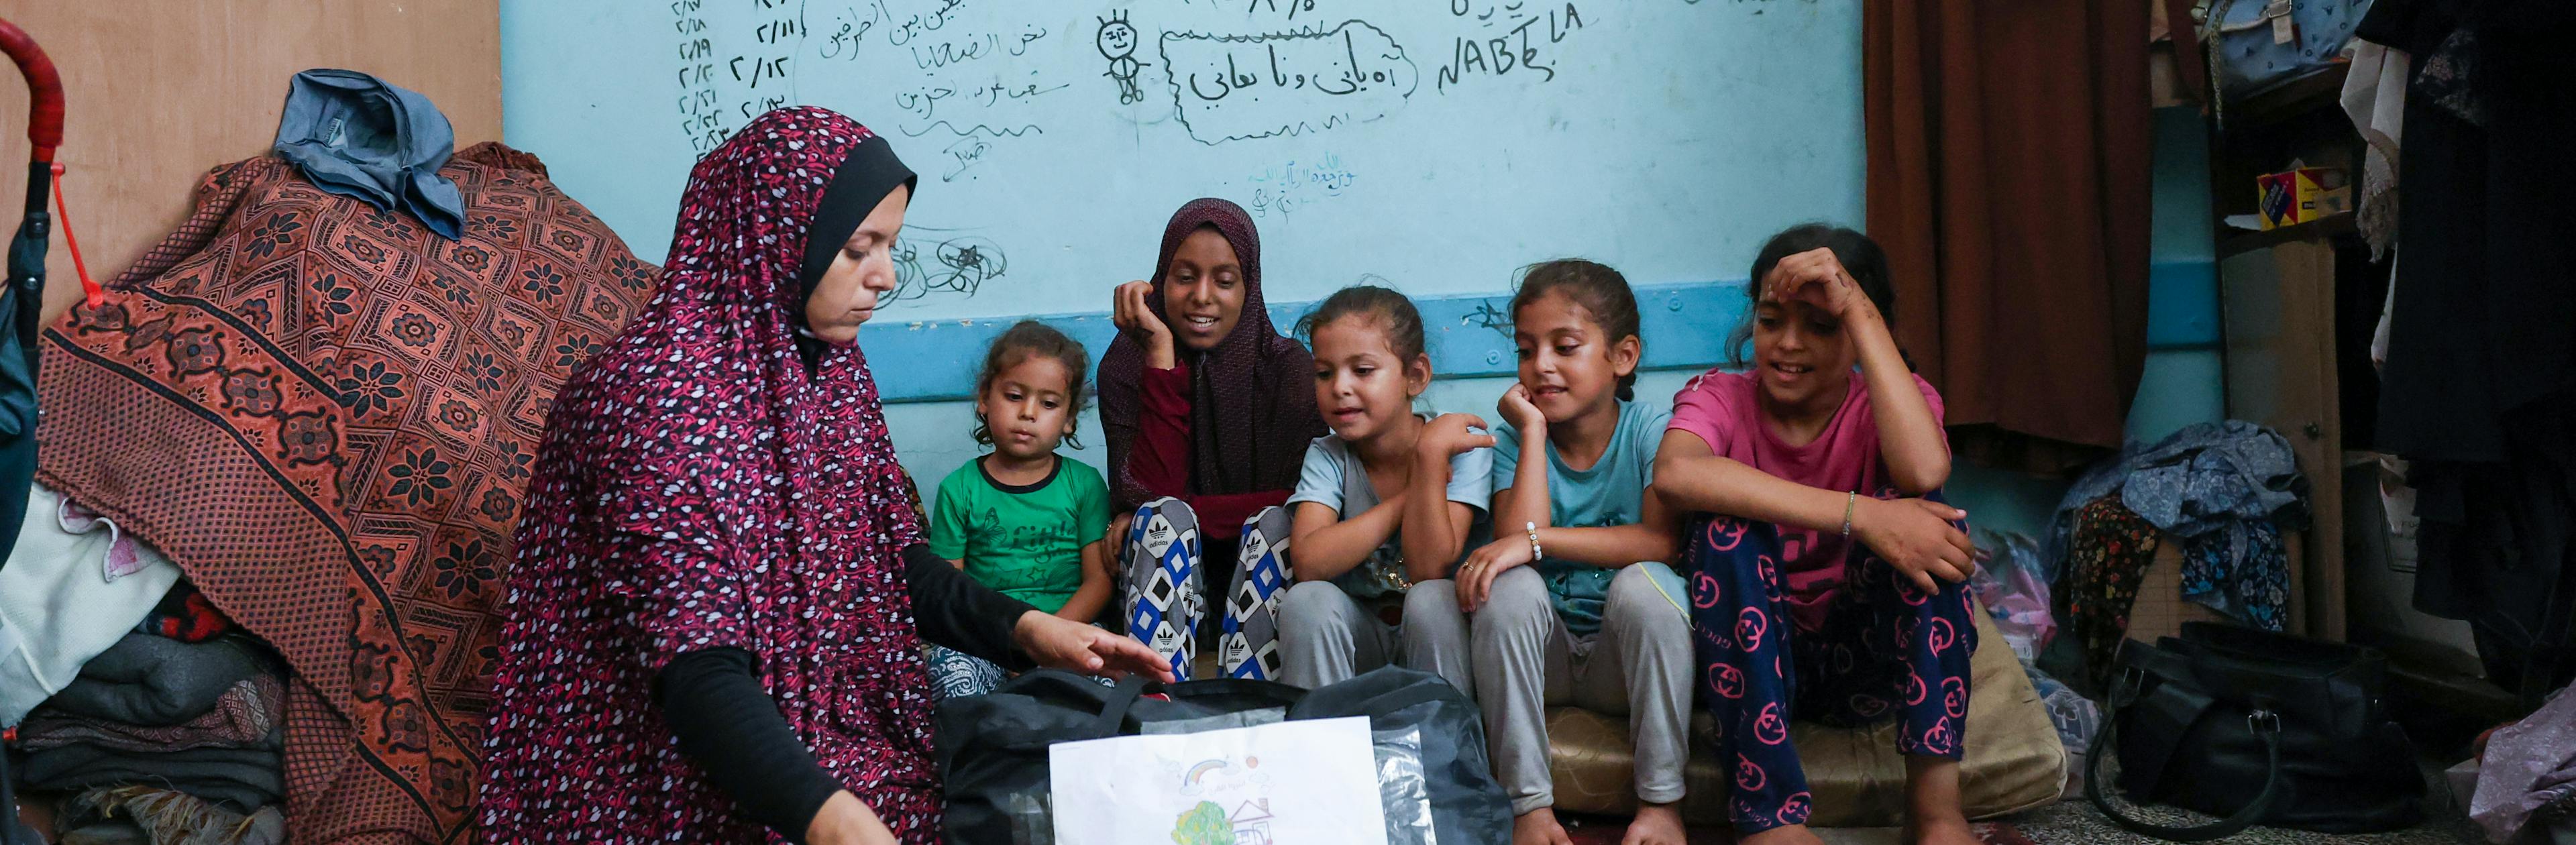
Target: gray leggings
1325,635
1525,659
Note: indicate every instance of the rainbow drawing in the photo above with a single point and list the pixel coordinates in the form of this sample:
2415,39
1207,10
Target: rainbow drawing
1200,771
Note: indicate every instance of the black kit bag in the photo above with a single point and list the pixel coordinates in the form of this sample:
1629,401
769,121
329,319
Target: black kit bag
1428,738
2255,728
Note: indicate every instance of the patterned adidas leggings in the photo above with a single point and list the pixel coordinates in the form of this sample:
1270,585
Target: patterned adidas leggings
1162,590
1885,650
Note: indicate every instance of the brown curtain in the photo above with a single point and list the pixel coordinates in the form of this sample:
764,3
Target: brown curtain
2009,145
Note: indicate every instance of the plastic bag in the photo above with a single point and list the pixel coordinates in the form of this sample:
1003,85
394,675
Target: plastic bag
2077,718
2013,585
1402,790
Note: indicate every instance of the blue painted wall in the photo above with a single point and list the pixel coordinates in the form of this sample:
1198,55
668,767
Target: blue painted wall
1680,136
1648,135
1665,138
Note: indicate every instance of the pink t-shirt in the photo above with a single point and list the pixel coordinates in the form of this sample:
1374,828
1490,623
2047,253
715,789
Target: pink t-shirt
1721,408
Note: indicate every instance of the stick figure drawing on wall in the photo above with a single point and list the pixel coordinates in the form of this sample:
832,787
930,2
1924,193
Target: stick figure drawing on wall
1117,40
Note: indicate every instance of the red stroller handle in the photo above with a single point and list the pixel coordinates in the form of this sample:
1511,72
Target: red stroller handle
44,90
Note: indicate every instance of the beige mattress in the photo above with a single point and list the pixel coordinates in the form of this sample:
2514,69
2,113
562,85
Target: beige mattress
2014,761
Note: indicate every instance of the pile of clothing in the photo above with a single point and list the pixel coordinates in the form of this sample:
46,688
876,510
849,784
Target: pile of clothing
2226,490
173,735
321,397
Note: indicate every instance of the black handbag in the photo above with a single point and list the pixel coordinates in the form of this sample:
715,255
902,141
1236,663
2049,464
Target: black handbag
993,758
2255,728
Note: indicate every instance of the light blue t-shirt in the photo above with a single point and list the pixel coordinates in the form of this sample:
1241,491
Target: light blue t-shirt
1612,492
1332,476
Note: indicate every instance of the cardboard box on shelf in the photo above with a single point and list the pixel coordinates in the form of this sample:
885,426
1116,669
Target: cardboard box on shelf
2301,195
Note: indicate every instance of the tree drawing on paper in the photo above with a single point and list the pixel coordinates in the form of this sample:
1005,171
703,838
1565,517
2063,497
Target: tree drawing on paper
1204,824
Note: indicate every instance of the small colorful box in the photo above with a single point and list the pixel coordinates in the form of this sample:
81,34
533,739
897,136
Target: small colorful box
2303,195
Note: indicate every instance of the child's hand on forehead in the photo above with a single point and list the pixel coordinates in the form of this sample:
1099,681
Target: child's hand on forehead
1817,278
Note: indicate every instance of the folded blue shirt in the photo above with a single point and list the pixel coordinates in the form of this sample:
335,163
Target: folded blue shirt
358,136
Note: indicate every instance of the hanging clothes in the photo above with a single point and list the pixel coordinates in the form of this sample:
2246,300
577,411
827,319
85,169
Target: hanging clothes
2479,390
2374,96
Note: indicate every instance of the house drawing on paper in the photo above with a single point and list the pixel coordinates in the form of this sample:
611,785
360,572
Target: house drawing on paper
1252,822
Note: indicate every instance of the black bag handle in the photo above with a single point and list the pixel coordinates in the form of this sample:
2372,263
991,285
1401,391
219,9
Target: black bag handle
2265,724
1114,711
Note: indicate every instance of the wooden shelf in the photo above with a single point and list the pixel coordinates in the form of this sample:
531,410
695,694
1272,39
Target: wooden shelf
2321,88
2240,241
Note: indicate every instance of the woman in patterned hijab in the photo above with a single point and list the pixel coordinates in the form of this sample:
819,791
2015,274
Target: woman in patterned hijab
717,548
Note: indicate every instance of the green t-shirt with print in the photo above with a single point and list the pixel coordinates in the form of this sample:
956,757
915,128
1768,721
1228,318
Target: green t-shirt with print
1025,541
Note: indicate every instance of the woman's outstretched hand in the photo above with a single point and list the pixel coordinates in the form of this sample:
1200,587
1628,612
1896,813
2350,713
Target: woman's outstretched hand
846,820
1058,643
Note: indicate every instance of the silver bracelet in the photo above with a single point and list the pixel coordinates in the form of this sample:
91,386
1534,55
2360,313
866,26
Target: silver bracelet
1849,500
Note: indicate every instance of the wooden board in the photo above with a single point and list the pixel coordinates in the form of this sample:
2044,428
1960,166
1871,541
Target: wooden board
159,91
2279,309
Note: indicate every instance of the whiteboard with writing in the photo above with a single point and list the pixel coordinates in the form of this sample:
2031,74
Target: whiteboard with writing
1437,145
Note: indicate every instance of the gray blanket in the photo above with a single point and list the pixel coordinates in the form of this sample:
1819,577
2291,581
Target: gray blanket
246,716
158,682
244,779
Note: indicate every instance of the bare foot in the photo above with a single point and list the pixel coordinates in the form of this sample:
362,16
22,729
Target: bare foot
1796,834
1950,829
1932,798
1539,827
1656,824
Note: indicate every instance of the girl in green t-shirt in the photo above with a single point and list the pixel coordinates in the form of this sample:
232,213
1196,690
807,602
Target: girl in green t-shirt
1022,519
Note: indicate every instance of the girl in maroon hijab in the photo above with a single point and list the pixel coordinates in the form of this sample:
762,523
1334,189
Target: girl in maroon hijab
1208,411
712,619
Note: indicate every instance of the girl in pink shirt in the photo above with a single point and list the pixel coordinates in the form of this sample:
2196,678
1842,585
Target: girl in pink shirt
1826,583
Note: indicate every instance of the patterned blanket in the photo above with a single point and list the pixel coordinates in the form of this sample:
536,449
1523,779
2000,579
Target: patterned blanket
326,414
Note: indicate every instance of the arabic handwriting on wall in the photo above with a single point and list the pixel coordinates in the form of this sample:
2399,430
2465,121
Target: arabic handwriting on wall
1283,189
923,102
1233,87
